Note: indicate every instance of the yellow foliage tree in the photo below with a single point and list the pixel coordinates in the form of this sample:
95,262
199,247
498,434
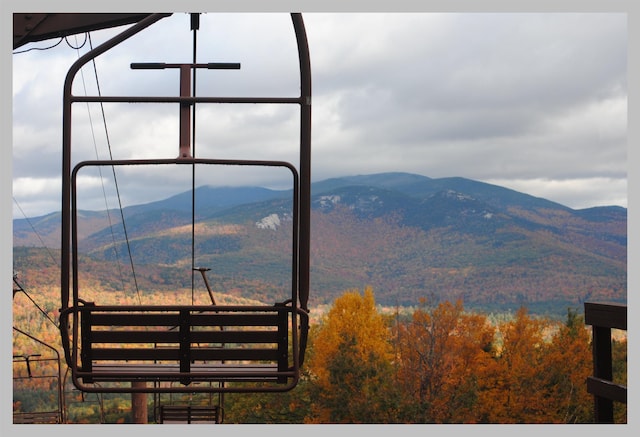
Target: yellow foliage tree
350,365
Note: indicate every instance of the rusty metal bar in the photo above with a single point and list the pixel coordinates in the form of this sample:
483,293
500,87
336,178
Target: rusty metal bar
185,112
191,99
305,186
163,65
180,161
202,271
185,92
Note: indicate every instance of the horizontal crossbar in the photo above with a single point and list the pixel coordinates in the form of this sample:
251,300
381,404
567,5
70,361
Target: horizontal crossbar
175,354
172,319
198,373
606,389
163,337
603,315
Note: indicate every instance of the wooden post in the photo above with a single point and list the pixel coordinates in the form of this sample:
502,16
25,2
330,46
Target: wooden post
602,368
139,403
603,317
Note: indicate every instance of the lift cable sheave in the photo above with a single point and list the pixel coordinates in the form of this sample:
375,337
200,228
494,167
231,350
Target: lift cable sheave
83,342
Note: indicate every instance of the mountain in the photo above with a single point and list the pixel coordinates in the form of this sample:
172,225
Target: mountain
406,235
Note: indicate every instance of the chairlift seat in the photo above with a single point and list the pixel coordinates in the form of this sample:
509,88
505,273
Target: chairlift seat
37,417
190,414
187,344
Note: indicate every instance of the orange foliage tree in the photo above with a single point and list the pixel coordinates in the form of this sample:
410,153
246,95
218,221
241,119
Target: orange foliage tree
512,390
567,363
441,353
540,373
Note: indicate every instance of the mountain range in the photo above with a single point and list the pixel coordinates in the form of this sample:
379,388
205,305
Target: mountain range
407,236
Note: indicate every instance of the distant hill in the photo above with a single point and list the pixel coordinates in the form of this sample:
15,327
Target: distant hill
406,235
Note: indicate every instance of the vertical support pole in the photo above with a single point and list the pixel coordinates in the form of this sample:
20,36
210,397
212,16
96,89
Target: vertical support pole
305,158
86,342
139,403
304,251
185,111
283,344
602,368
185,345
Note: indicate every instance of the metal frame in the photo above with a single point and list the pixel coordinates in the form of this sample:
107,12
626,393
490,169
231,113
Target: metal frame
57,416
297,305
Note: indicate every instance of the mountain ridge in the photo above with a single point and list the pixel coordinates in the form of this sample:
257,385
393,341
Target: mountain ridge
404,234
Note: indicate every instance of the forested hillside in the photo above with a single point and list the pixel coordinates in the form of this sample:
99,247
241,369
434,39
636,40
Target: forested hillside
408,236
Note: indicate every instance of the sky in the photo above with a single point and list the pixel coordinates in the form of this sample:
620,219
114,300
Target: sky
535,102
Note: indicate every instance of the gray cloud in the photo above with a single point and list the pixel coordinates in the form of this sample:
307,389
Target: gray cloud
535,101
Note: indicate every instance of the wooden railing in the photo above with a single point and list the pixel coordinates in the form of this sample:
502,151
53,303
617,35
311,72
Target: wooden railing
603,318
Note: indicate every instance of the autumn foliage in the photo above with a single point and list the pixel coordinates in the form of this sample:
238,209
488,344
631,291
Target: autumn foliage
445,365
437,364
442,354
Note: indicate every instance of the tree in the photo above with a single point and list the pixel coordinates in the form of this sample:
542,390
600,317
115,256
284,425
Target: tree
511,391
441,354
619,363
350,365
567,363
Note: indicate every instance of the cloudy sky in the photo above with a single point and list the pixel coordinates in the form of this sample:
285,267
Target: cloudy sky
536,102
